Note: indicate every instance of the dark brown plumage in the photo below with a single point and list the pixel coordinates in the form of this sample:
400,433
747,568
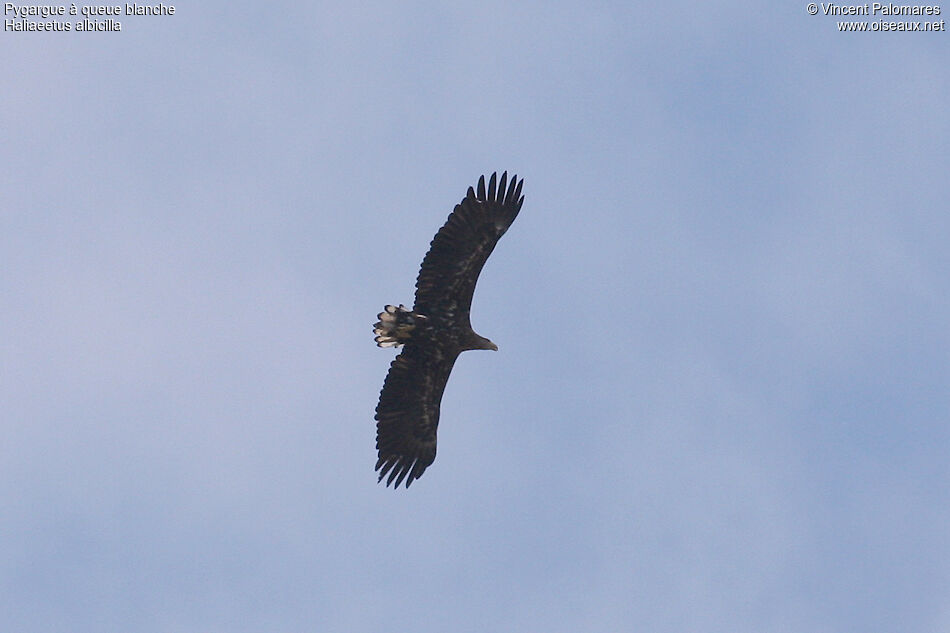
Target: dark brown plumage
437,329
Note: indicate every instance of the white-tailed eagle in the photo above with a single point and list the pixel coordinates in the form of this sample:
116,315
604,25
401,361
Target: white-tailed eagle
437,329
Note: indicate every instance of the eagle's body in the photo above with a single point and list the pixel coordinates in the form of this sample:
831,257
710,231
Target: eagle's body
437,329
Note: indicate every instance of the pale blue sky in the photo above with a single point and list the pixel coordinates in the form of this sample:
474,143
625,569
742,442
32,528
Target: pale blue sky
722,394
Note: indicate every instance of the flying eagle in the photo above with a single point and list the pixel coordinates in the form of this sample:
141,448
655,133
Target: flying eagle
437,329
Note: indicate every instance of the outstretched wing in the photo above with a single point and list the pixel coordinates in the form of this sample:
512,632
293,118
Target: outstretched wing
459,250
408,411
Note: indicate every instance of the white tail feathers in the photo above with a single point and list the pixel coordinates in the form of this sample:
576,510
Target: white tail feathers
395,326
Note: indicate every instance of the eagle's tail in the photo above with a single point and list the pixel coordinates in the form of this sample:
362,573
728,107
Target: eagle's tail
395,326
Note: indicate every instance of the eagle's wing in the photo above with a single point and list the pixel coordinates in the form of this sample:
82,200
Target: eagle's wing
408,411
458,252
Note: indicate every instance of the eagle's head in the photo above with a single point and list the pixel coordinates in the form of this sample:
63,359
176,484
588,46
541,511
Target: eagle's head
480,342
